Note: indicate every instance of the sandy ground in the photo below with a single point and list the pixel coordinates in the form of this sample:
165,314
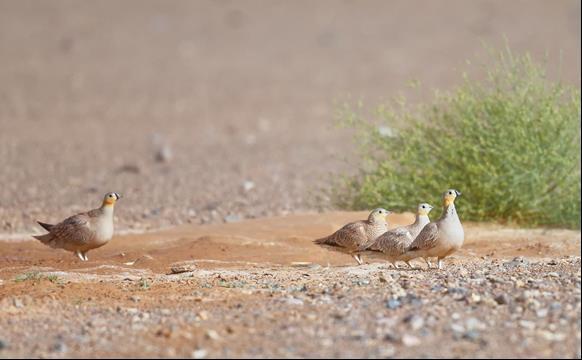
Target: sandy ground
240,92
260,288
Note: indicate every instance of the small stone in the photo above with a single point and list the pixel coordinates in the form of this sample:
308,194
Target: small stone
362,282
199,354
526,324
17,303
457,328
192,213
526,295
416,322
474,324
392,337
472,335
555,306
182,267
542,313
164,154
475,298
212,335
410,340
231,218
554,274
386,351
293,301
458,293
248,185
203,315
135,298
59,347
393,304
437,288
3,344
502,299
552,336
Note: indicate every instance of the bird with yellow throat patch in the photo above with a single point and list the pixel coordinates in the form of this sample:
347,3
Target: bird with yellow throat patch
82,232
440,238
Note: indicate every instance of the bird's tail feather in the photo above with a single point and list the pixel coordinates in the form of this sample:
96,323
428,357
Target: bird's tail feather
45,226
323,241
328,240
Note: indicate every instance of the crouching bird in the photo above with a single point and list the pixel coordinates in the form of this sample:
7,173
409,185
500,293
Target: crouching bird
82,232
354,237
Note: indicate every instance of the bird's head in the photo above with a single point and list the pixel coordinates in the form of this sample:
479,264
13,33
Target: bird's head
449,196
378,215
423,209
111,198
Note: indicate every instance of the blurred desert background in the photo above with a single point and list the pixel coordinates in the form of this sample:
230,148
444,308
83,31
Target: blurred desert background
215,121
236,97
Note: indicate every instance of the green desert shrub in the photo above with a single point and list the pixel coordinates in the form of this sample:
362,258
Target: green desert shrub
509,141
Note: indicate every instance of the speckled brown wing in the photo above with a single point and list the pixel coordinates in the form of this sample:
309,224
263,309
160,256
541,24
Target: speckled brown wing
393,242
72,233
350,237
426,239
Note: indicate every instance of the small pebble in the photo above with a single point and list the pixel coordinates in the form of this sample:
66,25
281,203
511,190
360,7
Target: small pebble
248,185
164,154
410,340
393,304
416,322
212,335
199,354
502,299
231,218
526,324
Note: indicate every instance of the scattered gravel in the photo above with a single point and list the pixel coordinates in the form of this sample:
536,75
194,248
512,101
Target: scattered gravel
296,312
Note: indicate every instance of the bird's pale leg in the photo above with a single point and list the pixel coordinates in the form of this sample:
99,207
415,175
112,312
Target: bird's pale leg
85,256
440,262
428,262
79,255
357,257
409,264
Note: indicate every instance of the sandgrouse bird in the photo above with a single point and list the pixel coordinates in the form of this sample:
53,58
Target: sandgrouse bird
440,238
355,236
82,232
393,243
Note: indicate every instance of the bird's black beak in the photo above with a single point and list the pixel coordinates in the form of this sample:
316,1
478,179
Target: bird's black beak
118,196
458,192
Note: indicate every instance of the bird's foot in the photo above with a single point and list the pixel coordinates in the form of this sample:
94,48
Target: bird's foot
80,256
